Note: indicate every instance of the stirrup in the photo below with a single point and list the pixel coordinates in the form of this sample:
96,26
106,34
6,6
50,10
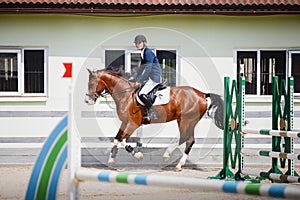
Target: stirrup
152,114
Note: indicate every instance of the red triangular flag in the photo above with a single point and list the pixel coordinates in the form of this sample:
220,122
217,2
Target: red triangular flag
68,72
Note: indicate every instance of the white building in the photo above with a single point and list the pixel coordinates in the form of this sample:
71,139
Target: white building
197,43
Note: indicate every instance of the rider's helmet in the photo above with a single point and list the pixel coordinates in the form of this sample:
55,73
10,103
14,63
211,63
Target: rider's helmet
140,38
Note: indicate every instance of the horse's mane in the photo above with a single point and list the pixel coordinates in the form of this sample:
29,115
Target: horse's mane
114,70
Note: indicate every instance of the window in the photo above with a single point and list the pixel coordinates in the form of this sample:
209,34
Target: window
22,72
129,60
9,77
247,65
135,61
273,63
167,60
34,73
115,58
259,67
295,69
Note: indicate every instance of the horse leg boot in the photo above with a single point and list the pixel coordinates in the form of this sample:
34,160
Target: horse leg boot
113,153
130,128
128,148
134,152
117,141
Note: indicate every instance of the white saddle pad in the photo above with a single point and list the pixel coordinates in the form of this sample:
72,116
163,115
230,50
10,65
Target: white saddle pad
162,97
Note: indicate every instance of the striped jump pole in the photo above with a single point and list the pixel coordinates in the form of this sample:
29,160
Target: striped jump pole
273,176
273,154
291,134
235,187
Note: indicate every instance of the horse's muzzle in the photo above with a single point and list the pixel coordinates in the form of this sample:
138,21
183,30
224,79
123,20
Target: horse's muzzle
88,100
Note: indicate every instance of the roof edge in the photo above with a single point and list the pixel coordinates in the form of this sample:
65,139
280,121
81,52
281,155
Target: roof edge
146,9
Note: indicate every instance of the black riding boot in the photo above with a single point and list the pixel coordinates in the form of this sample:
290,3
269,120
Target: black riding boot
152,114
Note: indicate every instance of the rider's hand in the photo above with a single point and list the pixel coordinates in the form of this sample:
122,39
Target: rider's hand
137,84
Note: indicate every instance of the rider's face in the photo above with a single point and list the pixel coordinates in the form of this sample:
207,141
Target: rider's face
139,45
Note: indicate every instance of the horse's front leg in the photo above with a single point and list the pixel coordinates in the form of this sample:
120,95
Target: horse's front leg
124,132
113,153
117,141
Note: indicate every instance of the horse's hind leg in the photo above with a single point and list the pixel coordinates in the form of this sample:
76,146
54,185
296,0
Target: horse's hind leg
129,129
186,135
170,150
187,150
189,143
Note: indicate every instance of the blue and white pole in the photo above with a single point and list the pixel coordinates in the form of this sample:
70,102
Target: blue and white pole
235,187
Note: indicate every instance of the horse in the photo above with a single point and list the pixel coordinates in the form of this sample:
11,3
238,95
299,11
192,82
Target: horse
187,105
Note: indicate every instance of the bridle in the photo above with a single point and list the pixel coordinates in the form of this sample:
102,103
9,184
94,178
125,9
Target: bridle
94,96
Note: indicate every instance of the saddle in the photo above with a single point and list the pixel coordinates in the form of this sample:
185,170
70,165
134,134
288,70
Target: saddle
161,91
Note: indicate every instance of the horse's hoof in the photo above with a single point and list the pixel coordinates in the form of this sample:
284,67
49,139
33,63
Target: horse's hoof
111,163
177,169
139,155
166,158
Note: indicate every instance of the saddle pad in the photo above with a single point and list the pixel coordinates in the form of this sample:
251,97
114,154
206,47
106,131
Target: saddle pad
162,97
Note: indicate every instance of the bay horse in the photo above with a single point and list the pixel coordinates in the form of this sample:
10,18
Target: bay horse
187,105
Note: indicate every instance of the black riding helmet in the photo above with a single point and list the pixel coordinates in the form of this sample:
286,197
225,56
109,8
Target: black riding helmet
140,38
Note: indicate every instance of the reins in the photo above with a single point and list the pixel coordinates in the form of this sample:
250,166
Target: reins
104,95
107,91
120,91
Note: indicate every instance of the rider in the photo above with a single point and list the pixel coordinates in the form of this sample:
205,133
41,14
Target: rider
149,71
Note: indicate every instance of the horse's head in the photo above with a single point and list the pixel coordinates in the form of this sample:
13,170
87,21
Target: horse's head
95,88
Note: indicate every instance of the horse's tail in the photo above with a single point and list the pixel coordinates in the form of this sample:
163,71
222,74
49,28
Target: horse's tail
216,109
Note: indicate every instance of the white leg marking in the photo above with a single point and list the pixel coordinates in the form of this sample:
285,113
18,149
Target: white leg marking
139,155
111,160
169,151
181,162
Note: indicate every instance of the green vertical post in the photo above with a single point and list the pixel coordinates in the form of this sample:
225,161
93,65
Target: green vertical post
226,152
226,172
275,115
226,120
236,117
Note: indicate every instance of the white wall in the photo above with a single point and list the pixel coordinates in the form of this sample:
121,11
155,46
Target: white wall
205,45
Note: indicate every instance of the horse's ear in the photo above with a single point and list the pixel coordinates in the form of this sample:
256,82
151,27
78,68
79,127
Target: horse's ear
89,71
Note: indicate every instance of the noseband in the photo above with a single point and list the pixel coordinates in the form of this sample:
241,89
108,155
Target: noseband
93,96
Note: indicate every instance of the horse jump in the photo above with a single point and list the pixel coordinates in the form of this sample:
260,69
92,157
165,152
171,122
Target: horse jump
235,119
57,142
